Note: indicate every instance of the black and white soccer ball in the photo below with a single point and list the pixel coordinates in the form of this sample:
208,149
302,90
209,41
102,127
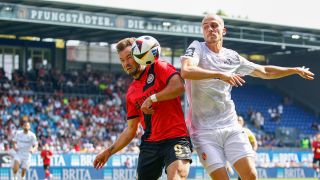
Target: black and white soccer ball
145,50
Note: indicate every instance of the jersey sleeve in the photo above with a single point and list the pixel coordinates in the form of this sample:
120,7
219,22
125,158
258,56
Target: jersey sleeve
246,67
34,140
193,53
42,154
165,71
15,137
132,111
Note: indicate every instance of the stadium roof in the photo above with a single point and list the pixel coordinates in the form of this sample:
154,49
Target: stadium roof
244,36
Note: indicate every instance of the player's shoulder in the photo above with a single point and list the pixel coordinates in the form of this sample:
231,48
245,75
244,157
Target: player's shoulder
197,44
30,133
248,131
19,132
133,88
163,64
229,51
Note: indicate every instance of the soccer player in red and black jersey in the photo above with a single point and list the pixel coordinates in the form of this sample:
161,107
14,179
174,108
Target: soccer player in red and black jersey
46,155
153,100
316,153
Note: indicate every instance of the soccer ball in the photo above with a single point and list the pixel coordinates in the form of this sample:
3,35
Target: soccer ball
145,50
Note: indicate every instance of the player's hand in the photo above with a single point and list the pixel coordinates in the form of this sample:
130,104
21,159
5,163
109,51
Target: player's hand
101,159
305,73
146,106
232,79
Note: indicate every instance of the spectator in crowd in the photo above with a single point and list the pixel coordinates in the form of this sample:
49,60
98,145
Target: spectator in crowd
305,143
46,155
258,120
316,154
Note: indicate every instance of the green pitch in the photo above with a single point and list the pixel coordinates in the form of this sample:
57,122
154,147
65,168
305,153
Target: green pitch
287,179
271,179
290,179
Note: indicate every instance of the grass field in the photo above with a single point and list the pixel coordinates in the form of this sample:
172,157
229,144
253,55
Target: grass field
290,179
272,179
287,179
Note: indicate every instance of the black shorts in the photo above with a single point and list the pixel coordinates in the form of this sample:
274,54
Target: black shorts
156,155
316,161
46,167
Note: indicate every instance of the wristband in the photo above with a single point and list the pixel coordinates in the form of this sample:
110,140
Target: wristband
153,98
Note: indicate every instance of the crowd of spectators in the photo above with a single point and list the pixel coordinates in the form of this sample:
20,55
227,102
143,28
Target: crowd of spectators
68,122
77,110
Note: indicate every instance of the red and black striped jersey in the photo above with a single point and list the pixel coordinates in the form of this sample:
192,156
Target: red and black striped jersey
167,121
316,147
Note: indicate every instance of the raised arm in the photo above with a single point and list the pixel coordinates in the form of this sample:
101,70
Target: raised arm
193,72
124,139
275,72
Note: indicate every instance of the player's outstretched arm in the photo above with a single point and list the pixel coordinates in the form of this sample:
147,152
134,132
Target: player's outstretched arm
193,72
124,139
275,72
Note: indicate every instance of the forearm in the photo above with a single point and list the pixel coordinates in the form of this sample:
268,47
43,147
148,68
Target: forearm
172,90
275,72
254,146
14,146
124,139
197,73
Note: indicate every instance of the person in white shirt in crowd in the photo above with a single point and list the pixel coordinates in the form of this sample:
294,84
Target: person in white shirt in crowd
24,144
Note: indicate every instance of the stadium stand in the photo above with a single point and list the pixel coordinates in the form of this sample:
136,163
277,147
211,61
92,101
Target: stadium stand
261,99
64,108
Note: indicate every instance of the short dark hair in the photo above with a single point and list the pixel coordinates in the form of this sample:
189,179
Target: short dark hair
124,43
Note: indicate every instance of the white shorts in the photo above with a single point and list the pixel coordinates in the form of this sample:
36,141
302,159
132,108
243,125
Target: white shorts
216,147
23,159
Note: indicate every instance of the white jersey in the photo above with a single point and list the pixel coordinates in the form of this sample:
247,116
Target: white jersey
25,141
210,104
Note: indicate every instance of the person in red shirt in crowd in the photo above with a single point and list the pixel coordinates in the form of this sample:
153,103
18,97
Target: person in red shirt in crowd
153,100
316,154
46,155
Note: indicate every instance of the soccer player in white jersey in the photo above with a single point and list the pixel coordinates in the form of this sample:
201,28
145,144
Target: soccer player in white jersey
24,144
211,70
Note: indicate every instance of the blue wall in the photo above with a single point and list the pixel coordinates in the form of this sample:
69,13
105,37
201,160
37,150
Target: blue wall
270,164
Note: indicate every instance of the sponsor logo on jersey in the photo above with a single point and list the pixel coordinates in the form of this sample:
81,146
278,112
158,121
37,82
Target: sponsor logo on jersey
150,78
190,52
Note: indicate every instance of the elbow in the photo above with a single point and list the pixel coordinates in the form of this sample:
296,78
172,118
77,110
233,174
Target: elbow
184,74
266,75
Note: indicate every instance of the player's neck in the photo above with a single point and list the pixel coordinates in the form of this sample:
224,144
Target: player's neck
215,47
140,71
25,131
